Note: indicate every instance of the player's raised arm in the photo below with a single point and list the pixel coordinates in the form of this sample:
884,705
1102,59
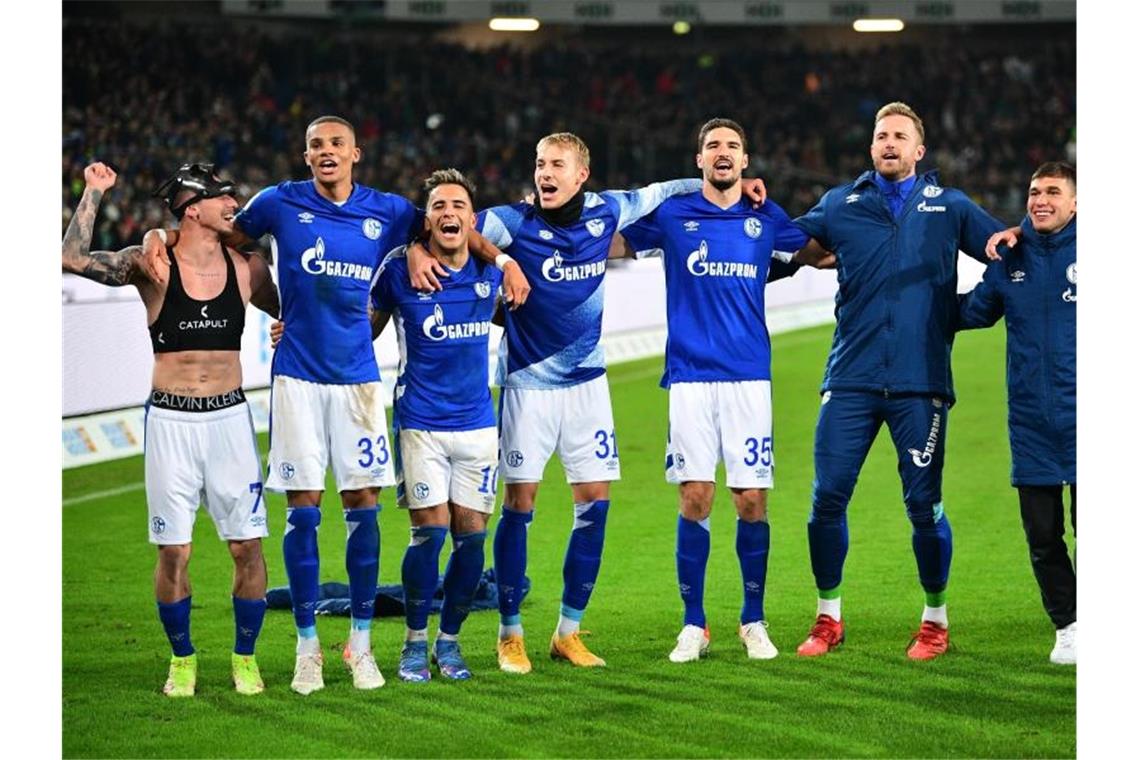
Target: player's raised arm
634,204
105,267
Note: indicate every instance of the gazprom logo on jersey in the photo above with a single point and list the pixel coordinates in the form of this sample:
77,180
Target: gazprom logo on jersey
313,262
437,329
553,270
699,266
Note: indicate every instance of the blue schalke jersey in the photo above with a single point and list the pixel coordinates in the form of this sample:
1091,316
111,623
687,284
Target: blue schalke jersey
552,339
716,264
326,256
443,339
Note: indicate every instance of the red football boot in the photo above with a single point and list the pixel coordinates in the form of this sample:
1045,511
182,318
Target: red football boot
826,634
930,641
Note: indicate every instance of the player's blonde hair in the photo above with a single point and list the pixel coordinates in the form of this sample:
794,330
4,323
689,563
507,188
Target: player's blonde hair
567,140
899,108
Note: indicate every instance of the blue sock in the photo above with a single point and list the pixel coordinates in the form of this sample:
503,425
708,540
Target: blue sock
584,553
933,546
692,557
362,560
827,544
461,579
510,561
303,564
176,622
421,573
248,615
752,542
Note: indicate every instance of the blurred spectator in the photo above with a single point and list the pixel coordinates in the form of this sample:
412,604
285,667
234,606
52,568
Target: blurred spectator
1004,103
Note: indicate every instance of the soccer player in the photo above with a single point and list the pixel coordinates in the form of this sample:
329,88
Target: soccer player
447,447
330,235
1035,289
716,250
200,444
555,396
896,236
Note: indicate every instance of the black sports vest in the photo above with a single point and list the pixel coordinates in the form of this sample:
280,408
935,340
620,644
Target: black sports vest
186,324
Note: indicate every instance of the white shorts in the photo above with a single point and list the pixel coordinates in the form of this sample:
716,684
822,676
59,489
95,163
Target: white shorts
709,422
313,425
577,422
205,457
460,466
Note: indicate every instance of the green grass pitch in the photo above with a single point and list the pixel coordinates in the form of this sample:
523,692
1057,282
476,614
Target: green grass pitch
993,695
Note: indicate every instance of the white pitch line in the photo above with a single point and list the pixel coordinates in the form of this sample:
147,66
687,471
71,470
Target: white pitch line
93,496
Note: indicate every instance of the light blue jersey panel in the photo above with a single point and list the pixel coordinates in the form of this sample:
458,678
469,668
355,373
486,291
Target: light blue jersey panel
716,264
552,340
326,256
443,339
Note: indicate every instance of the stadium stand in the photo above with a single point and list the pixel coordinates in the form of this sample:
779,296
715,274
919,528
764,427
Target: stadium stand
247,91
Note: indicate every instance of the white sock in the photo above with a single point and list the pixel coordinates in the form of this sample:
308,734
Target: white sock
420,635
308,646
441,636
935,615
510,630
829,607
566,626
360,640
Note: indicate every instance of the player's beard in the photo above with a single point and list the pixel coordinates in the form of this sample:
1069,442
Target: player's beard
723,184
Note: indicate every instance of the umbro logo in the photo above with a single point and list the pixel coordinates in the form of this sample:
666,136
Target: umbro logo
305,217
852,198
546,234
1017,276
692,226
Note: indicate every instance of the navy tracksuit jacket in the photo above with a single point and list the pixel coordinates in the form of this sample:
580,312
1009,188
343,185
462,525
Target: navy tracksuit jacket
1035,287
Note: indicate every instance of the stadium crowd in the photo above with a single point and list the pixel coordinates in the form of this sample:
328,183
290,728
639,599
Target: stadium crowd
245,94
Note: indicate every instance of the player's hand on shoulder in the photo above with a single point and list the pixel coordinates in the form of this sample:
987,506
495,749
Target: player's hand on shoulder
756,191
99,176
276,330
423,270
827,261
1007,237
155,265
516,288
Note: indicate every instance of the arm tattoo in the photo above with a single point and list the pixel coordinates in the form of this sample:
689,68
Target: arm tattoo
106,267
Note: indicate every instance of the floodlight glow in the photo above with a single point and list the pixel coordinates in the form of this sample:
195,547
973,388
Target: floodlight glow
514,24
879,25
681,27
